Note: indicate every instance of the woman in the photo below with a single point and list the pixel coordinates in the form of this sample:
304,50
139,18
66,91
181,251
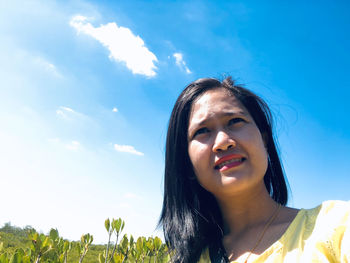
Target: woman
225,192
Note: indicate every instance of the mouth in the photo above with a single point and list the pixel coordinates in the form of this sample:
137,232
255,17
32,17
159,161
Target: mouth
228,162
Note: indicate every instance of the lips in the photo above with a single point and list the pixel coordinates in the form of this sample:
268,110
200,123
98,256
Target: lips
228,162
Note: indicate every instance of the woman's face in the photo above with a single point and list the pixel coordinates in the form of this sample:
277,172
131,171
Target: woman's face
225,145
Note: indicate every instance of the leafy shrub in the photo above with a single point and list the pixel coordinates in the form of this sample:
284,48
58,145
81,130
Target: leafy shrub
27,245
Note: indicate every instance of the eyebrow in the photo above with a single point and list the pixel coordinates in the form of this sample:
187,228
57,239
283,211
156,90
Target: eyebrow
222,115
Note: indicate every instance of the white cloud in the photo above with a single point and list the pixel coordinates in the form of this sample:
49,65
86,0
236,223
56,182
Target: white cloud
124,205
63,112
73,145
130,195
127,149
68,113
53,140
49,67
115,109
181,63
122,44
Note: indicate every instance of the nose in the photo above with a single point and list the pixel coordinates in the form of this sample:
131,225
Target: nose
223,142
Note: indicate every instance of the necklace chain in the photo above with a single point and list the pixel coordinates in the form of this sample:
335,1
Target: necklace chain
272,218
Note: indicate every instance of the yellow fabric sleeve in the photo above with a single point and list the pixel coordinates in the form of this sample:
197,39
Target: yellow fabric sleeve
321,234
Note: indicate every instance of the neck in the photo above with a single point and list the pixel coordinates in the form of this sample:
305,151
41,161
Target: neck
242,211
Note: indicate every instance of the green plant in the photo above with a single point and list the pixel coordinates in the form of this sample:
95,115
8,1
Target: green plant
83,246
28,246
115,227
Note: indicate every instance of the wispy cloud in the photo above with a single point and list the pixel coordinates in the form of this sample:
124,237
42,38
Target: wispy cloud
73,145
130,195
124,205
181,63
49,67
68,113
53,140
127,149
122,44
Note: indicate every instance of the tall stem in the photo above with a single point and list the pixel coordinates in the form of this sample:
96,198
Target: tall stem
83,255
38,258
115,247
109,240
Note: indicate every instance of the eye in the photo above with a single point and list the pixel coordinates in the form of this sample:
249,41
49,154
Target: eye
200,131
235,120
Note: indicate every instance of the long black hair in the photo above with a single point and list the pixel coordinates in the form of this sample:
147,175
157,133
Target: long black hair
190,216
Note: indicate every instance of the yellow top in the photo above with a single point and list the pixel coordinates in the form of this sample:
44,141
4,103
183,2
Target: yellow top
321,234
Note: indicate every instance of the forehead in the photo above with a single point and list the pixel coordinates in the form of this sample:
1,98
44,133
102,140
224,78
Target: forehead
214,103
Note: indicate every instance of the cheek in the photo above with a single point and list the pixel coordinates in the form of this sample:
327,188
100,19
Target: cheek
259,154
264,161
198,155
253,141
200,159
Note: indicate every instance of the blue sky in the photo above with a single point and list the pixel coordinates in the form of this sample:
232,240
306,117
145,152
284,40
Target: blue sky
87,87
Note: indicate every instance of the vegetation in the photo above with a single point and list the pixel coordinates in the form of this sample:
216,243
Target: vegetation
26,245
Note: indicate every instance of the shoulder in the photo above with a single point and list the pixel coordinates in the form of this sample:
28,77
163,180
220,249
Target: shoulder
204,256
330,216
328,221
331,211
331,231
320,232
334,205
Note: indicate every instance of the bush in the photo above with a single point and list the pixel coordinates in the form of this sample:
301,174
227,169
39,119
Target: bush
27,245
